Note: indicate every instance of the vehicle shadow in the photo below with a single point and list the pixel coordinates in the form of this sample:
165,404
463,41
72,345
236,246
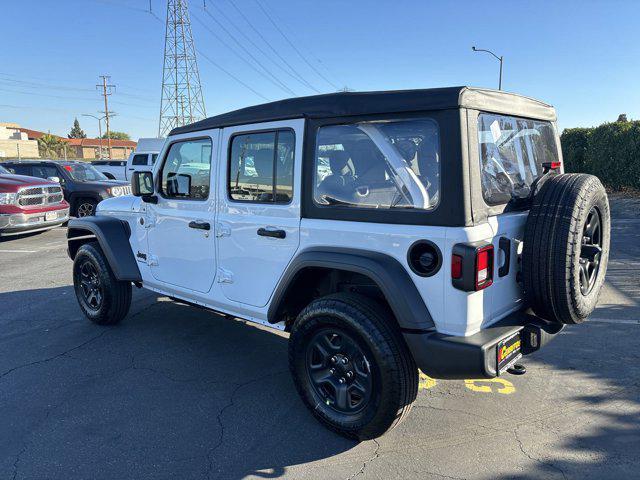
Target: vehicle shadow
174,391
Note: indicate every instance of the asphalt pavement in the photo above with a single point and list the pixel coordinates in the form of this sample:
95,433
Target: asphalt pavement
179,392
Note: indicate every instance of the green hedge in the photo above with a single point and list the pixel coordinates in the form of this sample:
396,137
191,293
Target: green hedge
610,151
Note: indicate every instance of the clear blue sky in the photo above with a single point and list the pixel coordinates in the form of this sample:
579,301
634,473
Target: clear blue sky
581,56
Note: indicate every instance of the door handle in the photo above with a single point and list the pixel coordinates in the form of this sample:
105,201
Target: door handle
267,232
200,225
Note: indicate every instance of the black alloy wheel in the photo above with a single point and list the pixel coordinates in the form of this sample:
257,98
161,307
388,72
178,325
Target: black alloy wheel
339,371
86,209
590,251
90,286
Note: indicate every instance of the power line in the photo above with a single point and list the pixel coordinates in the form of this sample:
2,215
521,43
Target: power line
295,75
234,51
232,75
294,47
274,80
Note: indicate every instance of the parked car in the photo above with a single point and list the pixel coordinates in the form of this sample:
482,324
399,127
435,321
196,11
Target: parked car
29,204
83,186
112,169
144,157
385,231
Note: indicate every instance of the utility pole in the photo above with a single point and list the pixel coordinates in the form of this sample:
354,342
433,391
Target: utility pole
499,58
182,100
107,89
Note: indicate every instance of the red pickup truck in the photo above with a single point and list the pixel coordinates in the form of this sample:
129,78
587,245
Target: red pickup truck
29,204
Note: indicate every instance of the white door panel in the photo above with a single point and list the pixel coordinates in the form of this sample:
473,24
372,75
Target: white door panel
181,231
256,241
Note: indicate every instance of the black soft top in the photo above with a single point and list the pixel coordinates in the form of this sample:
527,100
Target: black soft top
344,104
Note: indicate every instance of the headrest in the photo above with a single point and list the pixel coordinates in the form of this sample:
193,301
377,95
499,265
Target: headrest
338,161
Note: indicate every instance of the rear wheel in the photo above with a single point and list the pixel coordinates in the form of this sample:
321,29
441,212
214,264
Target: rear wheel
566,247
102,298
351,366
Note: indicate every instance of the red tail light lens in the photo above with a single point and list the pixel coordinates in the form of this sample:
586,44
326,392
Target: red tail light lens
456,266
484,267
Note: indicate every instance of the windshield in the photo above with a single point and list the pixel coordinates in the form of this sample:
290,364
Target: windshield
3,170
512,151
379,164
82,172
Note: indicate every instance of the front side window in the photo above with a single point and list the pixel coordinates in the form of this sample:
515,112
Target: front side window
378,165
512,151
186,173
261,167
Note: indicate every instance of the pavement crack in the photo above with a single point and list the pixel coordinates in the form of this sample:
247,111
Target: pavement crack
17,461
376,454
531,457
48,359
230,404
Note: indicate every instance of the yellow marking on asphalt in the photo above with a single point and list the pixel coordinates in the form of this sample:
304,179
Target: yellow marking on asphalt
505,387
426,382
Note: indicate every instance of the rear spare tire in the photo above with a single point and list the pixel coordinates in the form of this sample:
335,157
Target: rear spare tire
566,247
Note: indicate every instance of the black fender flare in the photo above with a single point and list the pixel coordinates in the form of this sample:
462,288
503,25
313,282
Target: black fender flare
113,236
388,274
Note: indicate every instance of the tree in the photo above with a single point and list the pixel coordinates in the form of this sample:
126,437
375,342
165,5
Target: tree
622,118
117,135
50,146
76,131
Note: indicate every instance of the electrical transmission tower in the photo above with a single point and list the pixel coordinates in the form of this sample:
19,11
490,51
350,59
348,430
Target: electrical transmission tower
182,101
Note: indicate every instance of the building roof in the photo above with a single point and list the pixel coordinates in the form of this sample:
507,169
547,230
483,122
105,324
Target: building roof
80,142
96,142
370,103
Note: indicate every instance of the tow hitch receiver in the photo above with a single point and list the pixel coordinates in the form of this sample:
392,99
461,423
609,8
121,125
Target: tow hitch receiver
535,336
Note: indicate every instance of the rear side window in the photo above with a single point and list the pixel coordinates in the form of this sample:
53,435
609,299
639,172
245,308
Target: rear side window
261,167
139,159
154,157
44,171
382,164
186,173
20,169
512,151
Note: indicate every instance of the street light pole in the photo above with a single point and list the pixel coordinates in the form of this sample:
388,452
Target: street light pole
113,114
499,58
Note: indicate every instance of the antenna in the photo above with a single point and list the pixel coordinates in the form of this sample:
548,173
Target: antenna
182,100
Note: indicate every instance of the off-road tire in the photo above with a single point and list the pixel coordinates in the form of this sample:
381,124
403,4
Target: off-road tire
116,295
85,207
553,245
395,375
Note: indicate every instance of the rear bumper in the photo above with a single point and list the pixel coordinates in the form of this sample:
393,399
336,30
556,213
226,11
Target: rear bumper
17,223
475,356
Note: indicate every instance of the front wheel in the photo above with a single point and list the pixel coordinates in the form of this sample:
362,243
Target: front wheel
351,366
86,208
102,298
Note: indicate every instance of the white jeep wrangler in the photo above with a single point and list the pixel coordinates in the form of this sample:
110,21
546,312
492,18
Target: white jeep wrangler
386,231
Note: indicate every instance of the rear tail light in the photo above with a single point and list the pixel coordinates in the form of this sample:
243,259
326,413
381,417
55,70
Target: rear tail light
456,266
484,267
472,266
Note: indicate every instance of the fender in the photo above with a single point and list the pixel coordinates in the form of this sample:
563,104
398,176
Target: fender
113,236
385,271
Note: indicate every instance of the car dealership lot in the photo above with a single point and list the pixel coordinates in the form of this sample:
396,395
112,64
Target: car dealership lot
178,392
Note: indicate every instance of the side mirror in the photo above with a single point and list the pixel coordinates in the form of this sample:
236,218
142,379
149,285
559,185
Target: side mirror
142,184
54,179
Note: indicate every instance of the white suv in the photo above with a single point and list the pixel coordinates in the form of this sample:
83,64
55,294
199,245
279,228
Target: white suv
386,231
